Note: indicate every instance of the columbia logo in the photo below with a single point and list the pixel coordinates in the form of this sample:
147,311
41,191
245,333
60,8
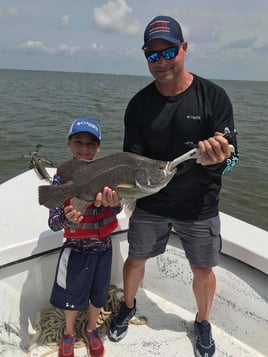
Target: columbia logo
193,117
88,124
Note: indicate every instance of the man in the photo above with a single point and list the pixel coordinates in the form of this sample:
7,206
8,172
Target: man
176,108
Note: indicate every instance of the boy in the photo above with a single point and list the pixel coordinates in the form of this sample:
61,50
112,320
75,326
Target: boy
84,265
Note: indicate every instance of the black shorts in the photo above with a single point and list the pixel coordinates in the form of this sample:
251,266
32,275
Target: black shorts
149,233
80,278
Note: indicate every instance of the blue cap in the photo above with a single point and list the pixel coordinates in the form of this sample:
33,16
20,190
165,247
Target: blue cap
85,125
164,28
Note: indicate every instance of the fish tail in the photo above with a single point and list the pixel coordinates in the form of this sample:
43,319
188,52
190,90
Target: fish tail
53,196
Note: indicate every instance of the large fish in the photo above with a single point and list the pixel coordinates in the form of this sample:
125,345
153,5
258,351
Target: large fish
132,176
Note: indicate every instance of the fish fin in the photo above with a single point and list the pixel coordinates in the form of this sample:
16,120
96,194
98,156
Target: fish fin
128,206
79,204
52,196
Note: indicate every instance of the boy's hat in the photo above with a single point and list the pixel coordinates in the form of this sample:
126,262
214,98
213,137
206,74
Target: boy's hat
165,28
85,125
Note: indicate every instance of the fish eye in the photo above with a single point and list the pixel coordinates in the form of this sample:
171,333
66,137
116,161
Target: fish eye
161,167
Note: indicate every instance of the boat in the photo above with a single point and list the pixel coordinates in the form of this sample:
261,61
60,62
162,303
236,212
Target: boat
28,256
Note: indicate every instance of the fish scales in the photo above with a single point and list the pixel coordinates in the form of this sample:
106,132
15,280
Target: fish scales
122,169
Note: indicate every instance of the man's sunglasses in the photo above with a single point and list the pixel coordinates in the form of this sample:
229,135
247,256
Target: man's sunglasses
167,54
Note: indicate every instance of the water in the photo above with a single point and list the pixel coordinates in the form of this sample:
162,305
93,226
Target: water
38,107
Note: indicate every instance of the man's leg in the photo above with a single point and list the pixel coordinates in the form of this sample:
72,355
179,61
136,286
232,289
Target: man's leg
147,236
202,244
133,273
204,286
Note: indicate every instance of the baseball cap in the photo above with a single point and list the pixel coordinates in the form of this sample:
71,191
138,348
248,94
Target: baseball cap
85,125
165,28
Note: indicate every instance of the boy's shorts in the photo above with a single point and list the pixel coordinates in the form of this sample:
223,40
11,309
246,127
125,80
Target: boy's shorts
149,233
81,277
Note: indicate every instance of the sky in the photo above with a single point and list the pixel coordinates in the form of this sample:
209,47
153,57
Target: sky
227,39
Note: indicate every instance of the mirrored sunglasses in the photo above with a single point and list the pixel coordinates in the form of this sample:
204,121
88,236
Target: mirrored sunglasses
167,54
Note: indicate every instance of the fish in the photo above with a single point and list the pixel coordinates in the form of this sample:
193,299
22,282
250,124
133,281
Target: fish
132,176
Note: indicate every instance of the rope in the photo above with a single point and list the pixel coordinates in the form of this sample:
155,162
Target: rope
51,324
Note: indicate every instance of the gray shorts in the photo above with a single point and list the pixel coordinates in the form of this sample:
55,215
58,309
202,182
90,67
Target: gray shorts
149,233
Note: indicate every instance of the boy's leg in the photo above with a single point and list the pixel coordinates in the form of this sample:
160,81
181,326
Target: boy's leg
95,344
70,317
66,348
93,314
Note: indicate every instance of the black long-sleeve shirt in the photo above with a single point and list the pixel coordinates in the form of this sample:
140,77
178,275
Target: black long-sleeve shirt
158,127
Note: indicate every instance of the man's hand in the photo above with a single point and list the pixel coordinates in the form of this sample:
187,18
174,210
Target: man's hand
214,150
107,197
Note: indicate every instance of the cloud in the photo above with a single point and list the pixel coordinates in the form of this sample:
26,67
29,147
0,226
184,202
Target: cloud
38,47
114,53
204,33
10,15
116,16
242,43
13,13
33,45
68,50
99,49
263,50
65,21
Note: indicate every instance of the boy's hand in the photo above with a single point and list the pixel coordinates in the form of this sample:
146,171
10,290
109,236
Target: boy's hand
72,215
108,197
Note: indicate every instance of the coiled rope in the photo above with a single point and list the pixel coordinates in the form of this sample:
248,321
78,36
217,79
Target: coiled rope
50,327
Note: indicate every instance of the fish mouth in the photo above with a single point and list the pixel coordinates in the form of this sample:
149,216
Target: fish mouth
192,154
170,168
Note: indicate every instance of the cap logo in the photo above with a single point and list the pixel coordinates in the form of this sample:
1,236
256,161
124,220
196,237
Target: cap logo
161,26
88,124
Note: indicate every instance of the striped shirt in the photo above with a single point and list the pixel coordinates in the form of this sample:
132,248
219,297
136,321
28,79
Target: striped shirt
57,221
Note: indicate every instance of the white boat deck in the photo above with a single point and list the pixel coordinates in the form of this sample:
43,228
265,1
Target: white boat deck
169,333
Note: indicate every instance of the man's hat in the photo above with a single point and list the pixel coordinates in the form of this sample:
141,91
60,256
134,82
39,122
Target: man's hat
165,28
